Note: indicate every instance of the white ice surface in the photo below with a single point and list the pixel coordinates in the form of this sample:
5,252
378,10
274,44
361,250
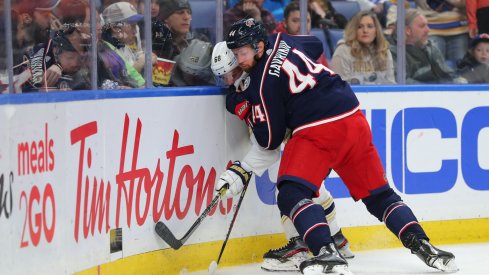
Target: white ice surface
471,259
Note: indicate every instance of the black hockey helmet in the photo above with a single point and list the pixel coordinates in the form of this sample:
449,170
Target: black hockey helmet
61,42
246,31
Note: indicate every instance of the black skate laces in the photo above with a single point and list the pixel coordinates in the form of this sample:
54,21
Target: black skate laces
294,241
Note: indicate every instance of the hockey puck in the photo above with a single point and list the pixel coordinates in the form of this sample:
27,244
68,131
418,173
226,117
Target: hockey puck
212,268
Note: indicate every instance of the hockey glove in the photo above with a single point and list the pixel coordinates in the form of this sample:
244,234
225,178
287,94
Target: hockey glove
237,104
232,181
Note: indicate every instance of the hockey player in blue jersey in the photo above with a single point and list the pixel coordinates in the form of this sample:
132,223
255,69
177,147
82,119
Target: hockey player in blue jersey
287,89
286,258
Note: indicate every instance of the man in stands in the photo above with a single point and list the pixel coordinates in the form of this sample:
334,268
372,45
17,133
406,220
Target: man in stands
424,61
249,9
292,24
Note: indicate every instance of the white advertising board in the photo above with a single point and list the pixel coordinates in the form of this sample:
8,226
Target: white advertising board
72,171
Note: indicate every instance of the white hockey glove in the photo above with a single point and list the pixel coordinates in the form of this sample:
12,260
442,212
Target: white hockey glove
232,181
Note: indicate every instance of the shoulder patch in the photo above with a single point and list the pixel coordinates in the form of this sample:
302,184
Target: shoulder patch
244,84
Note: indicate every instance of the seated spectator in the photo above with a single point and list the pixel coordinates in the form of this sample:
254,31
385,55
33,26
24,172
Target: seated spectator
31,25
112,70
121,30
67,58
379,7
161,35
162,39
292,24
448,29
475,65
177,15
58,52
424,61
363,56
249,9
391,16
193,65
324,15
116,17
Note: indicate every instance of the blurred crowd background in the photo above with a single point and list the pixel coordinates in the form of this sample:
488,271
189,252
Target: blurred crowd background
60,45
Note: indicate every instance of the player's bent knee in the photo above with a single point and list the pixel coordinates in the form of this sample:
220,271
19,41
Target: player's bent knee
378,204
290,194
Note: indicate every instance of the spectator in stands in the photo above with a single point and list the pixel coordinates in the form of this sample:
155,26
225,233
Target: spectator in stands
324,15
67,58
160,33
424,62
193,65
475,65
363,56
121,30
31,25
177,15
292,24
57,52
117,17
379,7
249,9
391,17
478,14
448,26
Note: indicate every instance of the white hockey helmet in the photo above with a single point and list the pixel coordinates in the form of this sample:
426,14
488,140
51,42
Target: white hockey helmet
223,60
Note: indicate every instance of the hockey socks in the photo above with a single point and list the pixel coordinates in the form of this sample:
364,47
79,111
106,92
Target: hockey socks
308,217
388,207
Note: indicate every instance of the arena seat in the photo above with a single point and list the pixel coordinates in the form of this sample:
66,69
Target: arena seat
204,18
346,8
335,36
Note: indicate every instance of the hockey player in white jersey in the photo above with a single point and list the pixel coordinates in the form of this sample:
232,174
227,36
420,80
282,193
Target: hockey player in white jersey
257,160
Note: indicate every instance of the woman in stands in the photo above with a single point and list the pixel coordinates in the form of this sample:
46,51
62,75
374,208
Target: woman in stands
363,56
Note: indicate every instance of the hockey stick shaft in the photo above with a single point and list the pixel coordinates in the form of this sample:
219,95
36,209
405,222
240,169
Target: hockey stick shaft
165,233
232,221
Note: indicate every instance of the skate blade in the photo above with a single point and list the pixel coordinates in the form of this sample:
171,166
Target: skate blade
291,265
346,253
321,270
448,267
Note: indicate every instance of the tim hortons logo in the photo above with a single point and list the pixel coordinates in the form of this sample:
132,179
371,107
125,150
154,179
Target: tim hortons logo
139,190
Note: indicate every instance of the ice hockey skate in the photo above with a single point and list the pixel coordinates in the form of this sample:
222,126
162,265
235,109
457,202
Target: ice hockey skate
343,245
430,255
328,261
286,258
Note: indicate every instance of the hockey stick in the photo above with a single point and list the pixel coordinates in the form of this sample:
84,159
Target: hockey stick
213,266
165,233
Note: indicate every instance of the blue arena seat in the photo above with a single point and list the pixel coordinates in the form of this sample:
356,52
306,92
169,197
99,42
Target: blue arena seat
319,33
335,35
346,8
204,17
276,7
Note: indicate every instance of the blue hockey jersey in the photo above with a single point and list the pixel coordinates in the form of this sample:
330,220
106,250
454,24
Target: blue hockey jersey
287,89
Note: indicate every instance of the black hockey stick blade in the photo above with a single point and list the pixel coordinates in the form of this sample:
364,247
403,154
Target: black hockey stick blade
165,233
